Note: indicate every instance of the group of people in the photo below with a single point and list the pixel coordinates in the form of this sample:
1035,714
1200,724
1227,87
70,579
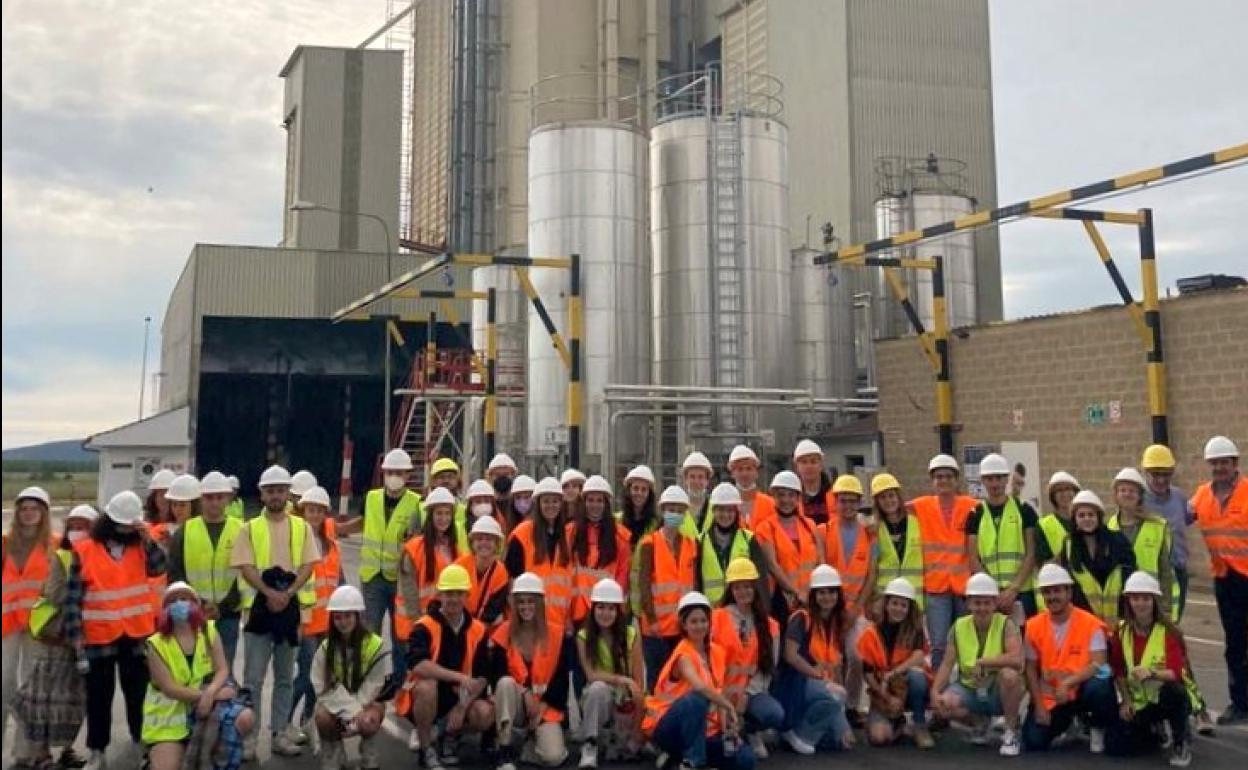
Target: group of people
706,623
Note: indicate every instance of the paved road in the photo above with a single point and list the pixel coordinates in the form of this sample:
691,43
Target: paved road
1228,749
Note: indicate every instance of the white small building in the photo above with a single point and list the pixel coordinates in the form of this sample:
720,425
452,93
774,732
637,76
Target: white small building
130,454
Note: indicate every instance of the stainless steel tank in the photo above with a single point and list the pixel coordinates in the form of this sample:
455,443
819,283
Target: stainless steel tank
511,323
958,251
587,196
823,328
892,216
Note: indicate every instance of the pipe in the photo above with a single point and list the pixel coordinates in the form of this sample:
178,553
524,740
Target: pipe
688,389
608,462
710,401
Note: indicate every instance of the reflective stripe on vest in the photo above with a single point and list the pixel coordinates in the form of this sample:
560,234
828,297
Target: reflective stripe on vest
1001,551
966,635
854,570
874,655
117,600
1057,663
742,655
382,540
585,577
910,566
21,588
1055,534
672,578
822,650
1225,527
556,577
1153,659
166,719
427,589
45,611
713,585
667,692
325,579
795,560
1151,538
207,568
946,565
258,531
1102,599
535,675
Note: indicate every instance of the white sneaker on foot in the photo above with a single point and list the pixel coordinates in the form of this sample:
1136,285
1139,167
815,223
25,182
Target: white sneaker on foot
797,744
589,755
284,746
296,736
95,760
979,732
413,740
1181,754
1009,743
758,745
1096,740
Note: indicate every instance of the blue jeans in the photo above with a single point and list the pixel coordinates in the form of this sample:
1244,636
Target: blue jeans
763,712
916,696
655,650
303,679
1096,703
227,629
681,733
379,595
818,717
258,650
942,610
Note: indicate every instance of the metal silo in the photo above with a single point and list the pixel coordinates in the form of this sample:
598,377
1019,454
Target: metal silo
823,328
958,250
892,216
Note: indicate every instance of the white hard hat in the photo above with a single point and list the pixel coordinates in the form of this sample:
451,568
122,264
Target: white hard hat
1132,475
234,484
571,475
693,599
214,483
696,459
523,484
487,525
598,484
34,493
943,461
606,591
528,583
674,495
184,489
641,473
161,479
1142,583
439,496
787,480
1062,477
480,488
825,576
502,461
396,460
806,447
125,508
1219,447
725,494
741,452
346,599
982,584
85,512
274,476
1087,497
548,486
179,587
301,482
315,496
1053,575
900,587
994,465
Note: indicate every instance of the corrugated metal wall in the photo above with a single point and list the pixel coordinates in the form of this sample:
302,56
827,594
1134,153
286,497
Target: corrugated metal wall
177,339
431,88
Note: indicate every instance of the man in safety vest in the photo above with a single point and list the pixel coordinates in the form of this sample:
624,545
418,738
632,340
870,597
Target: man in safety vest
756,505
987,649
818,502
1001,539
1171,503
274,554
1055,527
726,539
791,545
695,479
1222,512
848,547
1067,672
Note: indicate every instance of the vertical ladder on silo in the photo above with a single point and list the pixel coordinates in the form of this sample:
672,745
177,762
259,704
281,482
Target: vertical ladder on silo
726,247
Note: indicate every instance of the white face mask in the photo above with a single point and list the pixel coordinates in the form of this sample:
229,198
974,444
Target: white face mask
482,509
395,483
77,535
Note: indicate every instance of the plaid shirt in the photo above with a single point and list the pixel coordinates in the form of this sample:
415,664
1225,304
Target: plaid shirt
72,612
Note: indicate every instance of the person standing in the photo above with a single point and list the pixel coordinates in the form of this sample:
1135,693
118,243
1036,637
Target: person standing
1148,533
424,557
1098,558
540,545
695,478
327,576
1055,527
571,481
488,580
756,505
790,543
27,544
599,546
1001,539
667,571
818,502
501,466
1172,504
725,540
234,508
900,542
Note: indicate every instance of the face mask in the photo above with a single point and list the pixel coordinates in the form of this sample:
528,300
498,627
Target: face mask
395,483
180,610
671,519
481,510
502,485
523,504
77,535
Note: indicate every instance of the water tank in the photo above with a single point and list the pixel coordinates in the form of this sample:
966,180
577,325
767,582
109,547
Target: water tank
892,215
511,323
587,196
958,250
823,328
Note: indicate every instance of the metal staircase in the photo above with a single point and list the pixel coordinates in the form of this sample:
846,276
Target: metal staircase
728,292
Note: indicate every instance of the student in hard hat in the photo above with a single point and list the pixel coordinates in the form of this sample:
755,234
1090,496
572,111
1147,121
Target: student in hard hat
27,543
608,650
743,626
189,686
348,676
1222,511
183,498
725,540
445,473
942,519
667,569
234,508
448,672
572,482
599,545
1067,676
529,678
790,546
518,504
756,505
893,651
1001,538
501,466
696,473
424,557
818,502
489,580
50,701
275,554
109,612
327,576
540,545
482,503
689,717
1055,527
1149,660
155,506
986,649
1098,558
847,545
1172,504
899,542
809,682
1148,533
300,482
638,517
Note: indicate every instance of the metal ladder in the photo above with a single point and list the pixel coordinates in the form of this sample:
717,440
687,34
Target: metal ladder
726,259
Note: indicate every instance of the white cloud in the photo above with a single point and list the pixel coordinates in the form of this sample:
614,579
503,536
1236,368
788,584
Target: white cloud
86,396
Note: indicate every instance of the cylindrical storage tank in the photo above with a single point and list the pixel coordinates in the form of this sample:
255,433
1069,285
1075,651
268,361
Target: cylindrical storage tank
680,240
892,216
823,328
587,197
511,323
958,252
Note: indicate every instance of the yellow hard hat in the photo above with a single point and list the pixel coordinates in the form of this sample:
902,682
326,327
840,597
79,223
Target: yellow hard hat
847,484
741,569
442,465
882,482
1157,456
454,578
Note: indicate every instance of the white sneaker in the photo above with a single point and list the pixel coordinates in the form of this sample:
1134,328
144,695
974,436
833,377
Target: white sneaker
1009,743
589,755
284,746
314,735
507,766
413,740
431,758
1096,740
797,744
295,735
1181,754
95,760
758,745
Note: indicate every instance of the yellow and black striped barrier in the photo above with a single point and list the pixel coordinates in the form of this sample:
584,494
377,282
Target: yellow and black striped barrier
575,389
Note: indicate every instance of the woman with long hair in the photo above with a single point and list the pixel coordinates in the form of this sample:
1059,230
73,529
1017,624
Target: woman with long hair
1148,533
893,651
424,557
182,498
155,506
809,684
1149,661
487,575
190,687
599,544
348,676
611,659
516,507
540,545
1099,559
900,543
742,625
27,543
638,516
482,503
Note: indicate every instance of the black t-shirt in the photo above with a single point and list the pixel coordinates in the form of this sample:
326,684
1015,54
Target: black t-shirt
897,534
229,605
1030,519
451,650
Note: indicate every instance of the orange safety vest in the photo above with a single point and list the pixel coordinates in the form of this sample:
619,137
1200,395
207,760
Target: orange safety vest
742,653
428,589
673,577
796,560
476,632
22,587
536,675
822,650
946,566
873,654
1225,529
1057,663
117,600
479,592
667,691
764,508
557,578
585,577
854,571
325,577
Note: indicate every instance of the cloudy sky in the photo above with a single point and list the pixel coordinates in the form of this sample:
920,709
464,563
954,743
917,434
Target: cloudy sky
132,131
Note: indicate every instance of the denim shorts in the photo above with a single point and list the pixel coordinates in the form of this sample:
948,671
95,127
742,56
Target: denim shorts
988,706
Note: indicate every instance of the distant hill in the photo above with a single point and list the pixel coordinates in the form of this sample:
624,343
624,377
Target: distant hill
69,451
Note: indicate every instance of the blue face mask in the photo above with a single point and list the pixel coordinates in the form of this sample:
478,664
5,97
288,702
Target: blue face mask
180,610
673,519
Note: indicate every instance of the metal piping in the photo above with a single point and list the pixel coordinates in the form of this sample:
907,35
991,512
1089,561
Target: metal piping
608,461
